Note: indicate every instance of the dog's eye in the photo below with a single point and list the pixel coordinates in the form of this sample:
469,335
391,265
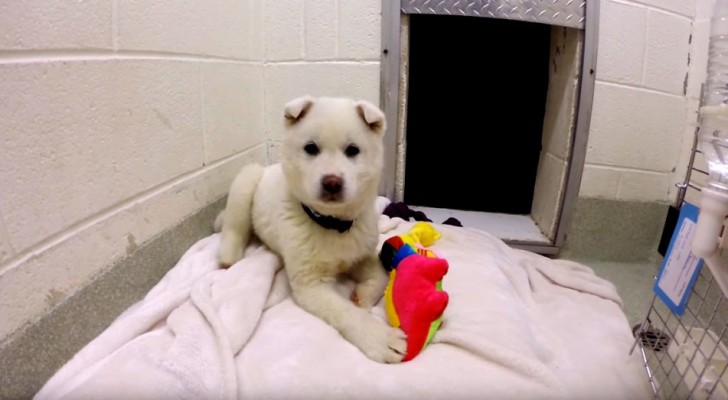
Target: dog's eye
311,149
351,150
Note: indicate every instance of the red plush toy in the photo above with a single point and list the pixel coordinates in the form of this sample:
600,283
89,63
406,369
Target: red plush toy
414,300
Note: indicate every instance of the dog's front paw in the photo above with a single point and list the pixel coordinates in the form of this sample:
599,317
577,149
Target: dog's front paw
381,343
231,250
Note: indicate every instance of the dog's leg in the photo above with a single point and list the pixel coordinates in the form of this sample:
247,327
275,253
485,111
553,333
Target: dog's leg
374,338
236,218
217,226
371,279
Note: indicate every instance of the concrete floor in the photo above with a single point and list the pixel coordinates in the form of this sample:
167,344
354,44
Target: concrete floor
634,282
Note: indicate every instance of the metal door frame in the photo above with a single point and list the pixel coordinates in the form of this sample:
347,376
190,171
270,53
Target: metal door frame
584,15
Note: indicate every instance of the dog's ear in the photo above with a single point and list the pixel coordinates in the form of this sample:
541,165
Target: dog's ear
297,109
371,115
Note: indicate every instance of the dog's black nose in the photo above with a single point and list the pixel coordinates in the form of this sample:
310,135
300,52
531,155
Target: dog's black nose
332,184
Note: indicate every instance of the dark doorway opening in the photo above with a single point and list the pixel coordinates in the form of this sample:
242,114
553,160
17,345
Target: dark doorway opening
475,107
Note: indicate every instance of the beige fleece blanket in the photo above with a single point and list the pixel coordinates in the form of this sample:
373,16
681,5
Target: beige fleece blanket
518,326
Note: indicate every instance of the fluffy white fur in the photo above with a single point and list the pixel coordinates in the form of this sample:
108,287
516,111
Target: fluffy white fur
266,201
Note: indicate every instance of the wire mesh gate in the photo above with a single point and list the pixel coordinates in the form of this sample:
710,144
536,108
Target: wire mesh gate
686,357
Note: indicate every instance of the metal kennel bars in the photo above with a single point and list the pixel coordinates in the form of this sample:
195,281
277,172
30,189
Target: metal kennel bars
686,357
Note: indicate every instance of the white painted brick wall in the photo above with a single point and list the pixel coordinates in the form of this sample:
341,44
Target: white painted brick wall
47,275
643,185
641,120
6,250
321,17
682,7
119,118
284,36
698,57
599,181
359,29
624,183
79,137
666,55
40,24
622,40
635,128
234,108
210,27
697,75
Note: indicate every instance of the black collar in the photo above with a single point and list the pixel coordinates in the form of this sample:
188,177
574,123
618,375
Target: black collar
326,221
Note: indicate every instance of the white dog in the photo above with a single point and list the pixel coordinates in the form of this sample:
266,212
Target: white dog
316,211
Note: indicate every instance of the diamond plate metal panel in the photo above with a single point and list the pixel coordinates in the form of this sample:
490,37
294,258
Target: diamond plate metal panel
569,13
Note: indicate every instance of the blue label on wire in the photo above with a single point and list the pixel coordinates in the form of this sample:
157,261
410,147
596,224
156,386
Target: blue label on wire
680,267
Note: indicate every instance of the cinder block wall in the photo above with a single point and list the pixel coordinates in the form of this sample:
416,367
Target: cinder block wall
651,61
119,118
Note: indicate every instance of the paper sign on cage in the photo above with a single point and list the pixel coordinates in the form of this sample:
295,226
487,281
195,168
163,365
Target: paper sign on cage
680,267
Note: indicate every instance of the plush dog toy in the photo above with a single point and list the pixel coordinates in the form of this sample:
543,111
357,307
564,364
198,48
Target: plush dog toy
414,299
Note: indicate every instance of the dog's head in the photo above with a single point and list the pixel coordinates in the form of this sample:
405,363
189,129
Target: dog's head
332,152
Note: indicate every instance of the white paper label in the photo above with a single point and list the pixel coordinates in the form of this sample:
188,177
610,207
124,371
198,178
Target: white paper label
681,264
